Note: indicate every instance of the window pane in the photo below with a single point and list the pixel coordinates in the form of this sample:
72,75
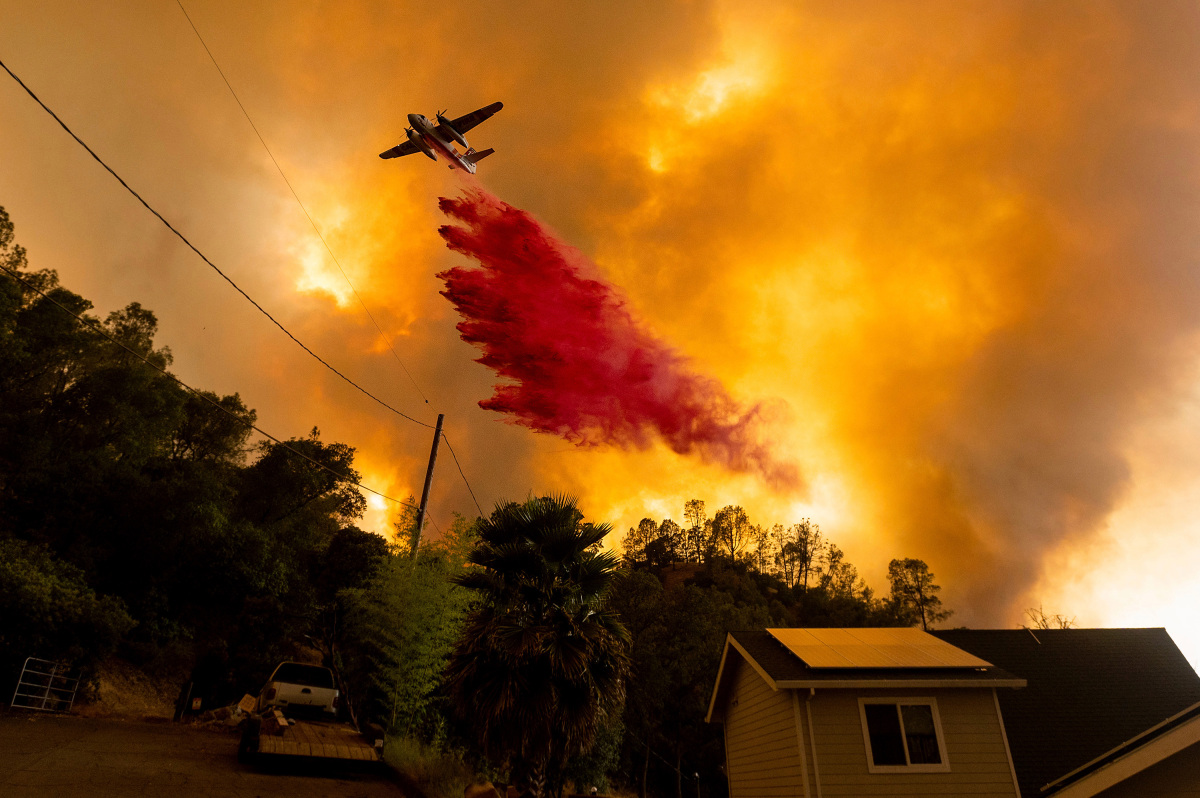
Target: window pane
920,735
883,727
308,675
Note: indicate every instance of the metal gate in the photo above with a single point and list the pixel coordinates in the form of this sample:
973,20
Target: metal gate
46,686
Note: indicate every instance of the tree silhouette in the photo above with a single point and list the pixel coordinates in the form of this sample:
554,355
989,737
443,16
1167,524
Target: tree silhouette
696,534
542,661
914,594
1040,620
731,530
637,539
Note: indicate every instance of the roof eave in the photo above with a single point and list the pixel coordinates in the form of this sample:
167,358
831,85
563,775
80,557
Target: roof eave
730,641
1129,758
897,684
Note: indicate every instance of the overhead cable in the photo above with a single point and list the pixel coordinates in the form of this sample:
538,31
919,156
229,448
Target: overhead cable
461,474
316,230
94,326
203,257
238,288
660,756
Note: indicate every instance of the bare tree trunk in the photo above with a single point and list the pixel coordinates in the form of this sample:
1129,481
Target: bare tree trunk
537,780
678,769
645,772
529,775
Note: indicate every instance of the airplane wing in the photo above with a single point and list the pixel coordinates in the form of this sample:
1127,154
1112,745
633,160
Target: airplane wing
407,148
465,123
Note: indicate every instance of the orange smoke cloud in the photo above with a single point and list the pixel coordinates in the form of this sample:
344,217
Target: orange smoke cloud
956,239
951,237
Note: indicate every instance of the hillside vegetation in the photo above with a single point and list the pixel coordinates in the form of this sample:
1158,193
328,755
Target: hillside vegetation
141,520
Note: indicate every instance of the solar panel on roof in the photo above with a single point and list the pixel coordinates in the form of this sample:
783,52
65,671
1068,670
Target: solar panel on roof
874,648
814,652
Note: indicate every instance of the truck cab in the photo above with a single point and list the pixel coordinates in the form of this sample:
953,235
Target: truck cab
301,691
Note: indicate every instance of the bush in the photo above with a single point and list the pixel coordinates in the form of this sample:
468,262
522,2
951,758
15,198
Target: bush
398,632
48,611
426,771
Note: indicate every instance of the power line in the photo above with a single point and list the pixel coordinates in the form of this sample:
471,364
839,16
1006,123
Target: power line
316,230
93,326
460,473
660,756
238,288
203,257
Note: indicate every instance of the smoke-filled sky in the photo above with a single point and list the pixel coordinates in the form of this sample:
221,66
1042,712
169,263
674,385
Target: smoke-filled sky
955,242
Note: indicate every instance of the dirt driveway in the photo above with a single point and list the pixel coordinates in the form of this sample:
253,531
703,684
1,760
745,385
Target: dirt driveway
97,758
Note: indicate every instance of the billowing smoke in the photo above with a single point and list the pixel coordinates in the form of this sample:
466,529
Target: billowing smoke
959,240
579,364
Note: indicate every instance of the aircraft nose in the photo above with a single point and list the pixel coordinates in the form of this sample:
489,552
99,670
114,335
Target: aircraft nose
412,118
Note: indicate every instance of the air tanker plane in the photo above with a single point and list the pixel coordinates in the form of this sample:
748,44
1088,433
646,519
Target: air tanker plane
424,136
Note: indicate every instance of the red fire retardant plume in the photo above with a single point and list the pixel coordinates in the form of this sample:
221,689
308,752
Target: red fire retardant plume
579,364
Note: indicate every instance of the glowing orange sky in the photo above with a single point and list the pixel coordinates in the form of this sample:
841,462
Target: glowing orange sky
958,240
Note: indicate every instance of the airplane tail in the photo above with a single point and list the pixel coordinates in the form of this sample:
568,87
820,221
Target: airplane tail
475,157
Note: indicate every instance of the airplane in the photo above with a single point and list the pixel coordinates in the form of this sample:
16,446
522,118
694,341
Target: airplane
424,136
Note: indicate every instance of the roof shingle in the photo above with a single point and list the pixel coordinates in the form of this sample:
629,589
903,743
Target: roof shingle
1089,691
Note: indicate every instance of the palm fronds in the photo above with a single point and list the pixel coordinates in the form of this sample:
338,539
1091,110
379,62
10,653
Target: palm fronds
543,659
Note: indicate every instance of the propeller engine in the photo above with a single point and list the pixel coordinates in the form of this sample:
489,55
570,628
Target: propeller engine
454,134
419,142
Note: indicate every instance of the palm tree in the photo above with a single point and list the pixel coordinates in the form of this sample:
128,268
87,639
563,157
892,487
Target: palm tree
543,659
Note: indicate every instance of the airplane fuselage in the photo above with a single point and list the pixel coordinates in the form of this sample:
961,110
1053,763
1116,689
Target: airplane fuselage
434,139
427,130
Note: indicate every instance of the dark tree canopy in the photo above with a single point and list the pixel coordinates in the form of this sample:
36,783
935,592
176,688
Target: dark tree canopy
542,661
134,514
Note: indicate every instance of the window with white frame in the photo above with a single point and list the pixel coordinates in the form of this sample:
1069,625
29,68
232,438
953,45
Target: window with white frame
903,735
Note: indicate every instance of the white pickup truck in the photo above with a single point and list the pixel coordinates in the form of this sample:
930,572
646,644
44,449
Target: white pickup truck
299,690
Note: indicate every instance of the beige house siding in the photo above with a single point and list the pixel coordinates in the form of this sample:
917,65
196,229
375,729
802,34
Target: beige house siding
974,742
1176,776
763,759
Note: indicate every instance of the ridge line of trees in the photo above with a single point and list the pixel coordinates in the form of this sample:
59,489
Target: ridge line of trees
797,555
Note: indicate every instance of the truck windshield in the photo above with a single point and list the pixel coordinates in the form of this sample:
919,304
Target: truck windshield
307,675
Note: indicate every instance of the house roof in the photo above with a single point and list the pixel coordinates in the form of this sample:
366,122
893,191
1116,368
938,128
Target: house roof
890,647
1147,749
1091,691
782,669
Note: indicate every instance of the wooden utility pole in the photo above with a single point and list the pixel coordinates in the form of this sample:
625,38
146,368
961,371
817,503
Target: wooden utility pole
416,535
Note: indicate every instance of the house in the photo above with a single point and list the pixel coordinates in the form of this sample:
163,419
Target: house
1064,713
849,712
1108,712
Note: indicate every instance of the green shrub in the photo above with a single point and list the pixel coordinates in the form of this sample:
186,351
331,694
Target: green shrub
49,611
425,770
399,629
